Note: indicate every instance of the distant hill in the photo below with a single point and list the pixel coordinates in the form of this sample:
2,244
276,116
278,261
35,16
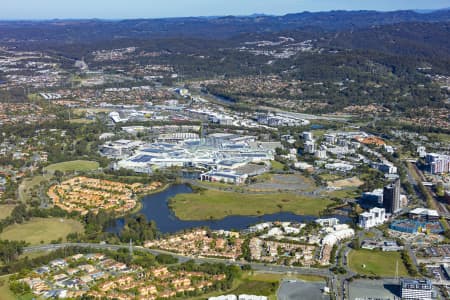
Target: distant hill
71,31
410,39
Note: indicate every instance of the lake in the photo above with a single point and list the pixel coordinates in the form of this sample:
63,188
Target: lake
155,207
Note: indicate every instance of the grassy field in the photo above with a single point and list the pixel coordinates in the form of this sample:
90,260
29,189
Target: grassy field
27,185
6,294
343,194
330,177
211,204
38,229
259,282
271,277
217,185
347,182
266,284
376,263
440,136
81,121
5,210
83,111
34,254
75,165
276,165
256,287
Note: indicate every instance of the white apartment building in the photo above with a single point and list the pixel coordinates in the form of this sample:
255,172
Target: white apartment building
374,217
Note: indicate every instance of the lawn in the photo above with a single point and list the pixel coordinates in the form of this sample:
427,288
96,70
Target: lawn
274,277
27,186
376,263
330,177
75,165
5,210
348,193
256,283
218,185
442,137
83,111
255,287
276,165
39,229
6,294
81,121
210,204
347,182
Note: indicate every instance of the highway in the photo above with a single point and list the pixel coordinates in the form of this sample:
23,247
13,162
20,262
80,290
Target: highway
255,266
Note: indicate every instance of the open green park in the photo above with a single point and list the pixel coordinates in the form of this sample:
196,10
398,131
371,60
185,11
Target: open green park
39,229
5,210
276,166
5,292
74,165
376,263
214,204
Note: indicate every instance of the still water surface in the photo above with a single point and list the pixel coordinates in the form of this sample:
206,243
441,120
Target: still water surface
155,207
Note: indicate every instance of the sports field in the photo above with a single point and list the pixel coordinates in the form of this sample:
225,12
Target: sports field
211,204
376,263
40,229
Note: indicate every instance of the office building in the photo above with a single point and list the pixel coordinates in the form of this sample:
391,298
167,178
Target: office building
310,147
307,135
330,138
416,289
320,154
375,197
391,197
387,168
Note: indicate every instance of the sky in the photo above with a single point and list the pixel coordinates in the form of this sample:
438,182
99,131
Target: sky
129,9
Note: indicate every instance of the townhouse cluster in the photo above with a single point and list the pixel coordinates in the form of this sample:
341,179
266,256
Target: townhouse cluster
83,194
288,253
199,242
294,244
96,275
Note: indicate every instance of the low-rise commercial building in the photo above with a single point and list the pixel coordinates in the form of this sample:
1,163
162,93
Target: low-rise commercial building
224,176
424,214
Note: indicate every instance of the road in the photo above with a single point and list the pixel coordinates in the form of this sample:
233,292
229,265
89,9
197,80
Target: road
183,258
441,207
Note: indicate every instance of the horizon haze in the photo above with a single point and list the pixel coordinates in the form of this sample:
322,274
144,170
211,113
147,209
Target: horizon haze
136,9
